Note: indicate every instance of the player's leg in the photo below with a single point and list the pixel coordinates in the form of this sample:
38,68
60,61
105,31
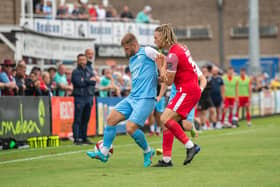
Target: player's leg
224,110
120,113
248,114
188,124
177,109
151,123
136,119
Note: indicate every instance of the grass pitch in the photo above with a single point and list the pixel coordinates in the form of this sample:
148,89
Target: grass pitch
229,157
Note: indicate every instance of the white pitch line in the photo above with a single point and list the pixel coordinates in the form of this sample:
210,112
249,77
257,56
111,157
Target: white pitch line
127,145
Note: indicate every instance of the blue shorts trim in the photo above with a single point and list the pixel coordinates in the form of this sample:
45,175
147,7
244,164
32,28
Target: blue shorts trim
190,116
136,110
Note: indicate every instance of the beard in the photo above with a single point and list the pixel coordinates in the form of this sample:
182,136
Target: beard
132,53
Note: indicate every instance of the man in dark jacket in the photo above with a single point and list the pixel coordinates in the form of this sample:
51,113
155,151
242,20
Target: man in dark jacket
83,80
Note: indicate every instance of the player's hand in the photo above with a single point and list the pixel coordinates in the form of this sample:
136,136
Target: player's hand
160,60
158,98
163,75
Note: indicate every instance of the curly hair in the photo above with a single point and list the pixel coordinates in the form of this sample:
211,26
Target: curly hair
168,36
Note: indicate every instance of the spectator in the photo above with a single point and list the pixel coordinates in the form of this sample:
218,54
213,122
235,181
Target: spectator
90,65
82,78
127,81
83,12
101,12
126,14
107,83
33,85
62,11
52,72
144,16
47,9
111,12
76,10
39,7
10,87
275,84
20,77
46,86
61,81
68,74
92,12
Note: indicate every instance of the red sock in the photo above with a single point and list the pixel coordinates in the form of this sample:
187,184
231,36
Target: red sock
167,142
248,116
177,131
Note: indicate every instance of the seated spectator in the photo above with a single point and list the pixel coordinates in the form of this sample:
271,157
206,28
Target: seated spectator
20,77
126,14
47,9
9,87
61,81
144,16
46,86
32,85
275,84
101,12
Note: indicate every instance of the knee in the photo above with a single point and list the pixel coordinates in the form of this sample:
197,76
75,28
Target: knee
110,120
130,129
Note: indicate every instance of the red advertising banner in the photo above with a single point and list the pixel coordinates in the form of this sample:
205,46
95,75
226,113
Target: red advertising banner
63,117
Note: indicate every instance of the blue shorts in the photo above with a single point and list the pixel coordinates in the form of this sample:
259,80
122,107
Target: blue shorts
136,110
190,116
160,105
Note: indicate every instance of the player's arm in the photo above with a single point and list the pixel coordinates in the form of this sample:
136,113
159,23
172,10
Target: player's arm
158,59
202,79
169,67
163,88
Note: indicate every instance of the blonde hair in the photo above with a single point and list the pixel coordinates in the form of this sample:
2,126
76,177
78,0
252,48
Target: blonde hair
168,36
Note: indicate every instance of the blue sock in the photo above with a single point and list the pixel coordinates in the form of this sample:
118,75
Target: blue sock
109,136
140,139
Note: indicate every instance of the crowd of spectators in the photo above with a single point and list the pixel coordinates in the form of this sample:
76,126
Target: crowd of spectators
111,81
91,11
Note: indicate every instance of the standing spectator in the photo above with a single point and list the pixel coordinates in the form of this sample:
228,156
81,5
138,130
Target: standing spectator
83,12
111,12
33,85
39,7
46,88
82,78
52,72
47,10
216,91
229,94
61,81
20,77
76,10
126,13
107,84
92,12
144,16
62,11
275,83
68,74
127,81
101,12
90,65
6,77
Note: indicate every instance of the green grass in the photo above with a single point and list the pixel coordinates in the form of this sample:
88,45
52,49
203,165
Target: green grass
230,157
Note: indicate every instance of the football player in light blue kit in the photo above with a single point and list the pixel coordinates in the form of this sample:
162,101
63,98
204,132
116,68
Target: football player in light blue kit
138,105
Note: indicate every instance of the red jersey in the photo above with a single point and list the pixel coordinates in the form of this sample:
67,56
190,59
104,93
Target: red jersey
187,71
